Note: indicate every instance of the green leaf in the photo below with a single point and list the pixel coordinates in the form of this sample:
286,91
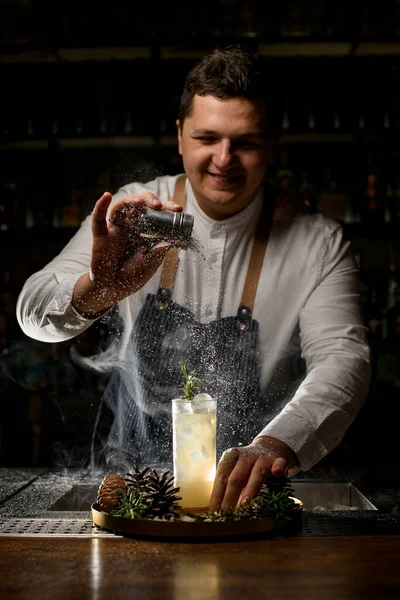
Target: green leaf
132,505
193,384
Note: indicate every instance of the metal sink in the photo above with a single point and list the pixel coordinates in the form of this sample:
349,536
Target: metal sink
79,498
327,496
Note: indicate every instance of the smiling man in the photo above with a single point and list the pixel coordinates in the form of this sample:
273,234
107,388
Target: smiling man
226,146
264,306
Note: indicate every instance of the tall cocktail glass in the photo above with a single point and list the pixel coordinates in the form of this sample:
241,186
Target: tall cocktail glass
194,449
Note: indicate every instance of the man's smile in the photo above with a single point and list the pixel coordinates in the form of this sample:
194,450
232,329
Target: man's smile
225,179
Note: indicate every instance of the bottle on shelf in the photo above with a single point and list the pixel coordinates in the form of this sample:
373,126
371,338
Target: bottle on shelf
334,200
373,205
388,348
72,212
363,286
295,20
373,312
393,327
8,206
7,309
247,21
393,199
393,284
283,173
39,211
340,17
373,321
387,358
308,192
319,24
376,19
368,22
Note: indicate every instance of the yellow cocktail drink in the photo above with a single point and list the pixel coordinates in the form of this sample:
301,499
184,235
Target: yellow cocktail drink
194,446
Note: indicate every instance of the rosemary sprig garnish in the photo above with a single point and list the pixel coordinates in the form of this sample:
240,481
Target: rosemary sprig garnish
193,384
132,505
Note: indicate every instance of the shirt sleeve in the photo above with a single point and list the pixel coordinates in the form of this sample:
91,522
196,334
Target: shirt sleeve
44,309
335,348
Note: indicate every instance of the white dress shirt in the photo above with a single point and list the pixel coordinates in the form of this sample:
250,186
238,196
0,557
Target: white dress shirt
306,301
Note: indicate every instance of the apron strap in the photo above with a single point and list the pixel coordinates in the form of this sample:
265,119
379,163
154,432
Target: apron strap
257,254
171,258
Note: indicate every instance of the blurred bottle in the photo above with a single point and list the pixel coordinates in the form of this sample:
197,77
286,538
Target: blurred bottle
363,285
40,212
373,320
7,309
283,173
308,192
235,19
393,199
387,357
393,283
295,19
389,351
334,199
376,18
72,213
318,18
9,204
368,20
397,18
373,204
17,22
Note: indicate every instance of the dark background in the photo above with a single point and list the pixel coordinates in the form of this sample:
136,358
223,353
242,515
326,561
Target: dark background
89,102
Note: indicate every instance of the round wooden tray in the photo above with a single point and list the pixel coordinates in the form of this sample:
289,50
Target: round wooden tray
190,529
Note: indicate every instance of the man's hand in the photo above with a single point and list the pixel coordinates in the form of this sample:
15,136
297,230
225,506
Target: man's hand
242,471
121,262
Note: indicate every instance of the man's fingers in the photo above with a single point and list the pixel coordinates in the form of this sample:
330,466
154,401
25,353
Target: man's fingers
169,205
259,474
99,223
279,468
225,468
261,471
126,212
236,482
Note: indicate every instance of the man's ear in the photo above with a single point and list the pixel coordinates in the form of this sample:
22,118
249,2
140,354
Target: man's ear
178,125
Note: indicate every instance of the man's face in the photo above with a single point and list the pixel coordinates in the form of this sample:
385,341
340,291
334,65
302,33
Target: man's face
226,147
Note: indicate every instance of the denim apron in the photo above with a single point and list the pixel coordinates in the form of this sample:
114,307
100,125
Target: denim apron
134,422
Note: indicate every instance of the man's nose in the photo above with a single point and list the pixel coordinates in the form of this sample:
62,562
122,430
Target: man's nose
224,156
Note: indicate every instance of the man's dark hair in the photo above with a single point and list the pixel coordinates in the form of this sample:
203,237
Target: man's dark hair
233,72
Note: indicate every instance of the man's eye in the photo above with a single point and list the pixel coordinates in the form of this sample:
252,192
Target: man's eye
207,138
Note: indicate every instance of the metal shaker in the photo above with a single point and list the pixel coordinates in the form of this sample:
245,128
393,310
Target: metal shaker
166,225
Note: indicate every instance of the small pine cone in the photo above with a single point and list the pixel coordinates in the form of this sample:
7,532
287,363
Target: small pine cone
109,491
137,478
157,491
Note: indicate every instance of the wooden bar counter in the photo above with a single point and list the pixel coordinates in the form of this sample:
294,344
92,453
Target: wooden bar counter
320,568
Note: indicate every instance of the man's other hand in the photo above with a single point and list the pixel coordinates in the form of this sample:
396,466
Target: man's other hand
242,471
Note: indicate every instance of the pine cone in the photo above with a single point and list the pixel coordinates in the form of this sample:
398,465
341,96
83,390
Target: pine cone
157,490
109,491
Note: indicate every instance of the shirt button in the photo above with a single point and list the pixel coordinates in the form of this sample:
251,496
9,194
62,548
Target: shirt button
214,258
208,312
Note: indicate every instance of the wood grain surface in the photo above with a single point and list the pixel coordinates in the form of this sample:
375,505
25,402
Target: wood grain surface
328,568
